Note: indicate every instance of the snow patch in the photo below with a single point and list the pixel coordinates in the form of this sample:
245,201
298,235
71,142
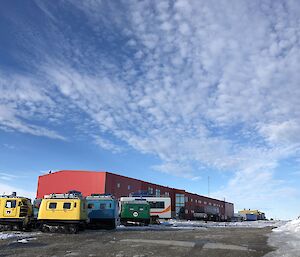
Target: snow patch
286,239
9,235
26,240
164,226
23,241
292,227
203,224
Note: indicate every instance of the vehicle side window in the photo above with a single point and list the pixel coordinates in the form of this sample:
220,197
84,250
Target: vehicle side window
11,204
90,206
67,206
52,205
157,205
102,206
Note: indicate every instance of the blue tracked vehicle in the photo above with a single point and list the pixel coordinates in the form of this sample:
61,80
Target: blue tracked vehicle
103,211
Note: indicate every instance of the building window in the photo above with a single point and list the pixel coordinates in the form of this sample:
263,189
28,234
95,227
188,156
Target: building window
150,190
179,203
199,201
186,211
209,203
186,199
205,202
118,185
191,200
157,192
129,187
167,194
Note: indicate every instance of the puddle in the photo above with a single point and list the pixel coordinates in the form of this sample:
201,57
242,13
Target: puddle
225,247
161,242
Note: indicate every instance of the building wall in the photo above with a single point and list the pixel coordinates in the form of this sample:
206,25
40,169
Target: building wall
229,209
192,201
120,185
117,185
61,182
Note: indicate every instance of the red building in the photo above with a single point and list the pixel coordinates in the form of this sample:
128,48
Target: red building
92,182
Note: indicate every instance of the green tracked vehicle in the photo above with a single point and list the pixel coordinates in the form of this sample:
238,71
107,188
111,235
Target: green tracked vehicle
135,213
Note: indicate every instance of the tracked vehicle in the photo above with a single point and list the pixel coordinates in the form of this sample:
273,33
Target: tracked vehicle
136,212
16,212
102,211
62,213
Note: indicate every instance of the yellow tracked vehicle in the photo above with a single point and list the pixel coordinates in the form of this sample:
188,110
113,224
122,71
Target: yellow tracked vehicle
62,212
16,212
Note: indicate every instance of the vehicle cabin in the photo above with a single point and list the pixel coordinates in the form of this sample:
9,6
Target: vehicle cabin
15,212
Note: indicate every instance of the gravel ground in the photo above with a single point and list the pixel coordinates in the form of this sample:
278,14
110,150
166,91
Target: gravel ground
207,242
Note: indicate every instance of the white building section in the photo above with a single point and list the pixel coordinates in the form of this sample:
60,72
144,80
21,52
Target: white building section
159,206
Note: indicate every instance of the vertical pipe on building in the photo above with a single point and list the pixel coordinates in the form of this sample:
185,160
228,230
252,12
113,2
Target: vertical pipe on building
225,209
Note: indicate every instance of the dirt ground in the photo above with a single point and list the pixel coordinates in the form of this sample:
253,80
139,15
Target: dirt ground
231,242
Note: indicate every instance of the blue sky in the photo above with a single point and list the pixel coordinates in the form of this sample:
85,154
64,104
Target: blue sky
166,91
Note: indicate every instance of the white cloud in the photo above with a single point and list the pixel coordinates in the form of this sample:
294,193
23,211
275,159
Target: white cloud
285,132
8,189
177,169
10,121
7,177
107,145
22,99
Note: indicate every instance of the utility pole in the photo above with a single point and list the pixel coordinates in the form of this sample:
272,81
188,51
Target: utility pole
208,185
